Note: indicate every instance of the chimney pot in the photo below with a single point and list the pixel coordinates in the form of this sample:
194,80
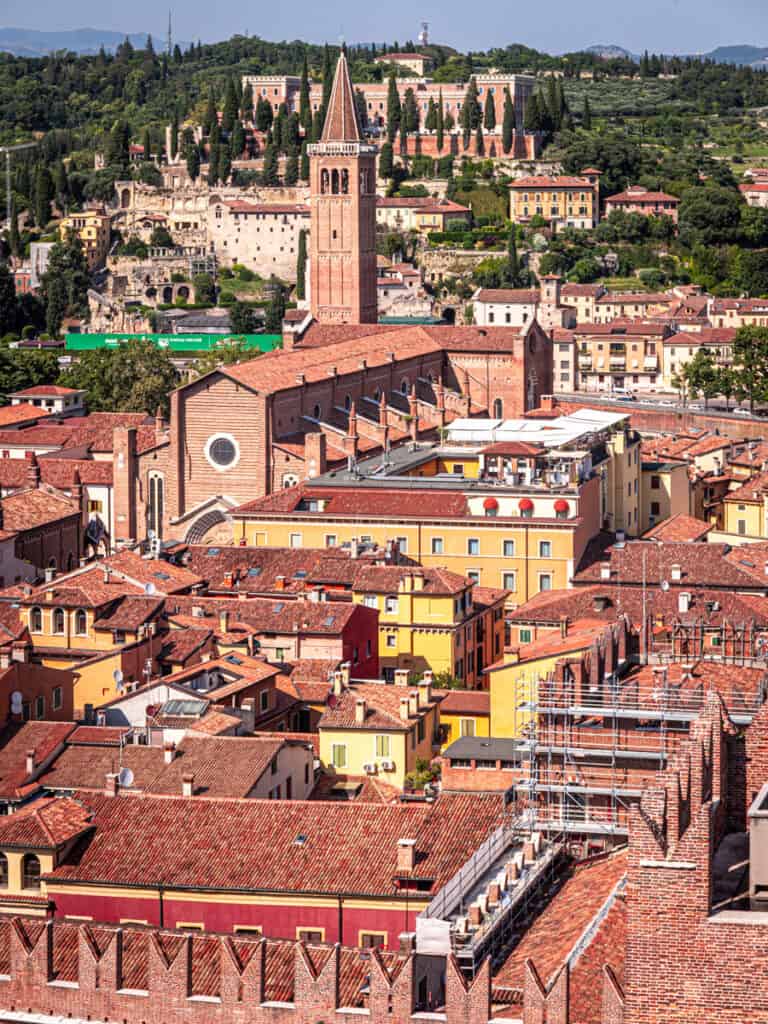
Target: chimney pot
187,784
401,677
169,753
360,709
406,855
30,764
405,712
111,784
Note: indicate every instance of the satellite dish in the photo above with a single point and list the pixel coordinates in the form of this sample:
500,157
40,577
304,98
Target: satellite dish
17,702
125,778
664,585
150,589
117,675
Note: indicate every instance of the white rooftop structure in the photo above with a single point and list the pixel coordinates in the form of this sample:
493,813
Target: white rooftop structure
565,430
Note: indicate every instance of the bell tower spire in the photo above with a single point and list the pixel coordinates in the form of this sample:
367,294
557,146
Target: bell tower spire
343,213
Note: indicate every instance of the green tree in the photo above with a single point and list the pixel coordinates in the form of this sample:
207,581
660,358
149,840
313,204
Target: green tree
327,78
709,215
508,122
205,289
14,242
237,142
43,196
225,165
275,311
242,319
174,134
727,384
263,114
301,266
750,363
410,113
21,369
304,163
394,109
439,123
291,175
269,171
513,261
479,143
210,117
133,377
430,121
246,103
117,151
64,286
231,107
147,145
8,306
193,161
161,238
532,119
305,106
489,116
226,353
586,117
701,375
386,161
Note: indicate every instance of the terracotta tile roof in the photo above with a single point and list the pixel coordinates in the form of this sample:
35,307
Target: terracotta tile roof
678,528
251,845
512,296
752,456
45,823
486,597
164,576
382,708
84,587
641,196
129,613
545,181
701,565
223,766
623,328
26,510
553,645
380,579
239,668
356,501
256,569
181,644
741,687
23,413
706,336
362,789
100,735
753,490
636,298
61,472
45,391
470,702
271,615
519,448
84,766
554,933
42,737
217,722
578,290
312,670
241,206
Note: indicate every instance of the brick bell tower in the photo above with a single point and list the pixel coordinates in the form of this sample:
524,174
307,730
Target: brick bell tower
343,214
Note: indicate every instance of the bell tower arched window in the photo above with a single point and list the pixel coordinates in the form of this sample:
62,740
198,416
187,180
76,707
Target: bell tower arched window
335,182
324,182
345,182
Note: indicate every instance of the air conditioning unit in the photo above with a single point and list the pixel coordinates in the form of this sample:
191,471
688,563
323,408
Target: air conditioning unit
369,769
387,766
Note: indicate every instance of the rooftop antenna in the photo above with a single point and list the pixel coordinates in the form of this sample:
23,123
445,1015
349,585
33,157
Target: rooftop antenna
170,38
424,34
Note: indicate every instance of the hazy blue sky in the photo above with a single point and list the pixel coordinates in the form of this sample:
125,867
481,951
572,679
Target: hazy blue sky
682,26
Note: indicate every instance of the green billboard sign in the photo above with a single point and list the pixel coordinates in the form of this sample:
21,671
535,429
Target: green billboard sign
181,343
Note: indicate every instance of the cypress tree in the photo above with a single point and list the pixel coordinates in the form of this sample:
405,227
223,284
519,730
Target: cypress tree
586,119
14,241
553,103
479,143
246,103
317,125
430,121
439,126
532,119
291,132
327,77
489,117
193,162
386,161
209,117
43,196
291,175
471,104
237,142
230,108
225,165
269,176
513,262
277,131
410,114
508,124
301,266
147,144
8,306
305,105
304,162
214,156
394,110
263,114
174,134
60,184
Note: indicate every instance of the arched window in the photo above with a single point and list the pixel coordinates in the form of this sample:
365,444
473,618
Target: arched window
335,182
3,871
317,412
36,620
30,872
348,402
51,563
364,183
404,386
377,395
70,562
155,508
323,182
81,622
58,620
498,409
345,182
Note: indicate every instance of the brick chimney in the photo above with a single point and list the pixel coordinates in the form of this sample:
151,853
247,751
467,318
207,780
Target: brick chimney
360,710
425,692
346,672
224,621
187,784
315,458
29,765
111,784
405,710
413,702
169,753
406,856
33,470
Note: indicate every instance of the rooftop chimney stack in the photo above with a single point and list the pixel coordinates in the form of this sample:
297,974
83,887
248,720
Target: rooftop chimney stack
405,711
406,856
676,572
30,762
187,784
111,784
401,677
605,570
346,672
360,709
169,753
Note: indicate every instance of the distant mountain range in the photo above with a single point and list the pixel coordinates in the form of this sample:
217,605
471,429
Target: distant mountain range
28,42
743,54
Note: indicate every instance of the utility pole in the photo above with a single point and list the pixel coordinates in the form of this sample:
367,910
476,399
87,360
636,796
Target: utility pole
8,150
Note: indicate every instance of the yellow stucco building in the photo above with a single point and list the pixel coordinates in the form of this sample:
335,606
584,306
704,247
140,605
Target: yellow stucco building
562,199
92,227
